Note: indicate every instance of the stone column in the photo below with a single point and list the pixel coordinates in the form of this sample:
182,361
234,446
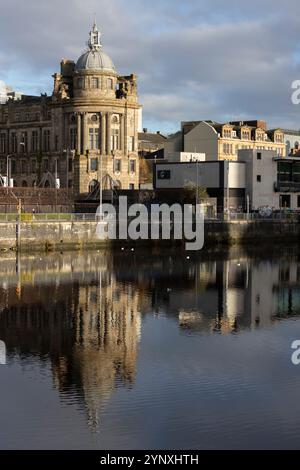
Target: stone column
103,133
78,144
108,128
85,134
121,143
125,133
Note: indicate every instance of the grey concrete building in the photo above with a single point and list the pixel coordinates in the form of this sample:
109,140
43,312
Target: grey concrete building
259,179
225,182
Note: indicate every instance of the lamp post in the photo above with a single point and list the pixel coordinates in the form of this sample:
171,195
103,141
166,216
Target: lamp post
100,188
197,184
8,171
66,153
56,184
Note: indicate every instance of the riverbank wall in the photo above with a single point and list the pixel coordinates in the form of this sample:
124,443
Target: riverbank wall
62,235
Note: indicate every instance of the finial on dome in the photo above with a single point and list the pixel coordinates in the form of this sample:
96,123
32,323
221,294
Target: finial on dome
95,23
95,37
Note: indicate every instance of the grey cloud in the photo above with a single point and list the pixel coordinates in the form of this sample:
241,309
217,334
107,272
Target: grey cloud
195,60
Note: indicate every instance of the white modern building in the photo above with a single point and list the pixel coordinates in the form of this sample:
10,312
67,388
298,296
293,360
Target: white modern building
258,179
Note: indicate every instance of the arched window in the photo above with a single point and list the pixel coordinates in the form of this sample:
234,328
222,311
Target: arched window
115,133
92,185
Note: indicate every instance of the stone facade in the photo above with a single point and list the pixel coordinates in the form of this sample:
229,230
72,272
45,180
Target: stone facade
223,141
86,132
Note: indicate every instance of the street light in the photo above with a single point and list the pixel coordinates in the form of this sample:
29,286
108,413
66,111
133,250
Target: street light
100,187
66,152
8,172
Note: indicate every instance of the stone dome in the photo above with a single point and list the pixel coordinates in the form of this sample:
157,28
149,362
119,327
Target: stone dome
95,60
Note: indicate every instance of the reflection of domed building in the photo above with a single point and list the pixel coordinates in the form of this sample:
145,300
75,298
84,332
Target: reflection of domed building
87,130
89,332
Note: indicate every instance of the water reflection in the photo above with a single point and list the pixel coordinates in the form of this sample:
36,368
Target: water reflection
82,313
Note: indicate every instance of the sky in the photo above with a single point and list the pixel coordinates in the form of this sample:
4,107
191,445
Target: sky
195,59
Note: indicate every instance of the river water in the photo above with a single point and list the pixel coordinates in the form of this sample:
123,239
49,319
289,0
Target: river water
150,350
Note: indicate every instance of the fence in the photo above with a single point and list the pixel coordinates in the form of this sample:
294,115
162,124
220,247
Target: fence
89,217
251,217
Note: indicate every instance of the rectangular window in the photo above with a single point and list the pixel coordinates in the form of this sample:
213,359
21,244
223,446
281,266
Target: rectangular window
45,165
285,201
24,142
296,172
80,83
94,138
33,166
298,202
131,144
2,143
131,186
56,143
258,178
284,172
132,166
115,139
13,166
94,164
95,82
117,166
73,138
34,141
110,84
24,167
259,156
70,165
47,141
14,142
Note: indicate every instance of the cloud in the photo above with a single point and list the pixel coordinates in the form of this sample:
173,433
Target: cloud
195,60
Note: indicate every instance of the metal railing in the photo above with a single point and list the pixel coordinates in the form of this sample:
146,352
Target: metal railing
47,217
254,216
91,217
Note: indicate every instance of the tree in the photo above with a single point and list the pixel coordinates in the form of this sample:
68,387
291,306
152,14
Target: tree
199,194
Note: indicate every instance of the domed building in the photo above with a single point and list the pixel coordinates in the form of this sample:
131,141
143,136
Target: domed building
86,133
